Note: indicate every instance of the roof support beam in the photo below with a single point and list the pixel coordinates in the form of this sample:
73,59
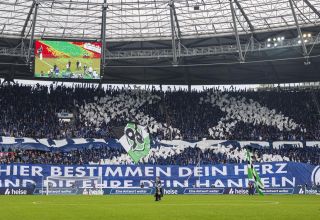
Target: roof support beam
304,48
173,34
244,15
312,8
52,4
27,19
103,36
33,28
44,30
241,58
176,20
4,26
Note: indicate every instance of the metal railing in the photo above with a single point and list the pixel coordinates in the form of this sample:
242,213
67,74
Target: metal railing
186,52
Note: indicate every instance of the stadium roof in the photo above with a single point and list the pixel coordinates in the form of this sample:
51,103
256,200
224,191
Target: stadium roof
173,41
150,19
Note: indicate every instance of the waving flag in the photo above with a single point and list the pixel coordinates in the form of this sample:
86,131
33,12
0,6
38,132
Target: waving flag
253,175
136,141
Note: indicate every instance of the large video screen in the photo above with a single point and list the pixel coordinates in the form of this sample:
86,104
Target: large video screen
65,59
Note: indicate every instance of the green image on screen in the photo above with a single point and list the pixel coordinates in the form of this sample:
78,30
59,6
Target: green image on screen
62,59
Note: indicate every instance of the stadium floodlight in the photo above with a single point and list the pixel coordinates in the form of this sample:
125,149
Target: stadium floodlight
275,44
66,185
306,41
309,35
282,38
299,41
274,39
279,38
269,39
304,35
268,45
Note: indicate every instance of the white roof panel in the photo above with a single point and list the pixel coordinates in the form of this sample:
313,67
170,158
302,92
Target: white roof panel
150,19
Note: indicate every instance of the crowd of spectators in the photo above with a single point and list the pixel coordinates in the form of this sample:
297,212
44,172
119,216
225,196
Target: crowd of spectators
302,106
74,157
197,156
31,111
186,156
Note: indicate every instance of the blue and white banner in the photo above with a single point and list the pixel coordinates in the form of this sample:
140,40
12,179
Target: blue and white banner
273,175
129,191
63,145
69,144
16,191
150,191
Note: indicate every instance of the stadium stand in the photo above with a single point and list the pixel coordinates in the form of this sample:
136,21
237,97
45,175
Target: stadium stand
234,115
162,155
31,111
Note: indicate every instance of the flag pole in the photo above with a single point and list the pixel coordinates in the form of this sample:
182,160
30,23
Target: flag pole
253,174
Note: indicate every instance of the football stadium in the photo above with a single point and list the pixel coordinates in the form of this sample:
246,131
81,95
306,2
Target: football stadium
162,109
